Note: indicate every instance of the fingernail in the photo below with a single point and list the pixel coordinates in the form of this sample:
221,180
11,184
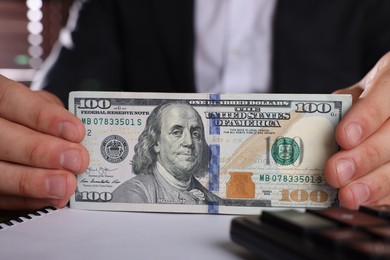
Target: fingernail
360,192
345,170
71,160
354,133
67,131
56,185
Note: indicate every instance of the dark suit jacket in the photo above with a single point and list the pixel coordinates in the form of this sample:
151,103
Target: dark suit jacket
147,45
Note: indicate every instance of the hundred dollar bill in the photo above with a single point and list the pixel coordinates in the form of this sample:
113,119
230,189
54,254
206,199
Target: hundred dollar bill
206,153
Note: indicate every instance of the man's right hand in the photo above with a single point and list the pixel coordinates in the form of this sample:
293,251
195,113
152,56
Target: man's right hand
40,148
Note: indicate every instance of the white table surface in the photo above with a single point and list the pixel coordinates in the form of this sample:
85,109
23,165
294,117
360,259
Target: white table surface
93,235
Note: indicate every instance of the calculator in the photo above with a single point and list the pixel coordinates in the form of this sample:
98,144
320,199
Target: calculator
328,233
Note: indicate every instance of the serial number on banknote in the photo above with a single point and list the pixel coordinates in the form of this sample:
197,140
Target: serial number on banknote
277,178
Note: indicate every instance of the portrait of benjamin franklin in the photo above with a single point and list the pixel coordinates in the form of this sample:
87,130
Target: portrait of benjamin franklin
171,152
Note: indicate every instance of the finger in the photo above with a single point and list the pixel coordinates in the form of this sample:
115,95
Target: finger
371,109
28,182
382,201
23,106
348,165
50,97
355,91
20,203
24,146
368,189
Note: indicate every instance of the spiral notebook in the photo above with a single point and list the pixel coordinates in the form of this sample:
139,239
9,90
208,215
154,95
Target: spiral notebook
81,234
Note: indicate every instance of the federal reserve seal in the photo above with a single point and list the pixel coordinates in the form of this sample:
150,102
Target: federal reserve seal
114,149
285,151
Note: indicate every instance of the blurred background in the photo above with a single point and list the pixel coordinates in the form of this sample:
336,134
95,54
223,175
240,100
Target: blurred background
28,30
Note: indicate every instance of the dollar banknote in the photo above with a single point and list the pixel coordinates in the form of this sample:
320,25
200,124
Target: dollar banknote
206,153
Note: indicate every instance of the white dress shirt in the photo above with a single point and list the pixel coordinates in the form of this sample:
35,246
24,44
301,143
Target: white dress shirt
233,45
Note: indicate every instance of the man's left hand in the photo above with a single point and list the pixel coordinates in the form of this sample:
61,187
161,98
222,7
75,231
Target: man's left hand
361,170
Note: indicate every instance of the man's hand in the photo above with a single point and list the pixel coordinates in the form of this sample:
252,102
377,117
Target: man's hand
39,148
362,168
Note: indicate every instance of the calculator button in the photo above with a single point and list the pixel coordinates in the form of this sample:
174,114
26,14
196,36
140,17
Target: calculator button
337,237
382,211
380,231
369,249
348,217
295,221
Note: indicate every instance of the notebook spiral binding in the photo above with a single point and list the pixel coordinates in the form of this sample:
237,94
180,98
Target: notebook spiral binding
25,217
